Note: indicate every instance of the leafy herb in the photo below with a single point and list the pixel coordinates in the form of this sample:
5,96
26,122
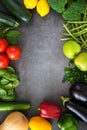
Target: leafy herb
72,74
12,37
9,80
11,34
71,9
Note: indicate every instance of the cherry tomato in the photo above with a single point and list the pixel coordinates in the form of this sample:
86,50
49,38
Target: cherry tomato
3,44
4,61
13,52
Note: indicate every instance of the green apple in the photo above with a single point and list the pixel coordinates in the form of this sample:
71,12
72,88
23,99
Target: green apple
81,61
71,49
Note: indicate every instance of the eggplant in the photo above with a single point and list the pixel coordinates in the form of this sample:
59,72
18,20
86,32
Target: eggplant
78,91
76,108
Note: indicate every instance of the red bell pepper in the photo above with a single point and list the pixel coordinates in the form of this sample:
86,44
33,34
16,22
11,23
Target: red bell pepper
50,110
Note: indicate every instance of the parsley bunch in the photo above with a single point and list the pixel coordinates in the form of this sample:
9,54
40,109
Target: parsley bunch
72,74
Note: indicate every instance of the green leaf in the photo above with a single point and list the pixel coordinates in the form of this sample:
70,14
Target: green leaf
2,72
15,83
8,86
72,74
12,37
2,92
75,11
10,76
8,97
11,92
58,5
10,69
4,81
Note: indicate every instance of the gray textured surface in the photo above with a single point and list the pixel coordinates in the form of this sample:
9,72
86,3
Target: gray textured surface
41,65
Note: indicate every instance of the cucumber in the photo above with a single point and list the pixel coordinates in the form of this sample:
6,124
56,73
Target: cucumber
4,18
13,106
18,10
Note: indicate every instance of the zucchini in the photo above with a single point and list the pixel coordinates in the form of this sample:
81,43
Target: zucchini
13,106
18,10
4,18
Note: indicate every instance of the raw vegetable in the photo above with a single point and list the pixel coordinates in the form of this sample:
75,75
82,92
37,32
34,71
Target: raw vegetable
3,45
71,10
76,107
78,91
72,74
13,106
68,122
10,34
9,80
18,10
77,30
15,121
50,110
4,61
75,10
13,52
5,19
58,5
39,123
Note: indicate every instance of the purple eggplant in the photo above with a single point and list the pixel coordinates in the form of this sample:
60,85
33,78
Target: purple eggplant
76,108
78,91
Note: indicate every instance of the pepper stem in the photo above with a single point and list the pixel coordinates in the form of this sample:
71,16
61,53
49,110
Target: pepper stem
64,99
38,109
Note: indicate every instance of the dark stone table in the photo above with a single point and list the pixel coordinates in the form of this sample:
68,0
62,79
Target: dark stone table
41,66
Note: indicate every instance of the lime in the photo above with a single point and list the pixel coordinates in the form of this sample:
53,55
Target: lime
81,61
71,49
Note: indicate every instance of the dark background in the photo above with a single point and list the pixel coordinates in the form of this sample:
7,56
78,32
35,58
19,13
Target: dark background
41,66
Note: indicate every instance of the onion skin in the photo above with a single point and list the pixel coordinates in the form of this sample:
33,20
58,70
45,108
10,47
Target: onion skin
15,121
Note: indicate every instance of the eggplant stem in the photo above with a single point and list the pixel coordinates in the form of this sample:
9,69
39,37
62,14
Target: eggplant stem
64,99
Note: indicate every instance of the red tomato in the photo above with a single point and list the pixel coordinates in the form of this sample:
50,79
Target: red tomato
4,61
3,45
13,52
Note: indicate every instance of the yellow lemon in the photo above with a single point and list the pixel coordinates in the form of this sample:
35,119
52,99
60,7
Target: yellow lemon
43,8
30,4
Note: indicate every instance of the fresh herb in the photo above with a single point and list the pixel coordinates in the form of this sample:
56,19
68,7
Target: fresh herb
71,10
11,34
9,80
72,74
12,37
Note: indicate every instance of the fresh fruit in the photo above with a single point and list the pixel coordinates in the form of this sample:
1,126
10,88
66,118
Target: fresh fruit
30,4
43,8
13,52
3,45
81,61
71,49
4,61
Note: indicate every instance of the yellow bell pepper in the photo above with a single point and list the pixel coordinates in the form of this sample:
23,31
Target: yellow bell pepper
39,123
